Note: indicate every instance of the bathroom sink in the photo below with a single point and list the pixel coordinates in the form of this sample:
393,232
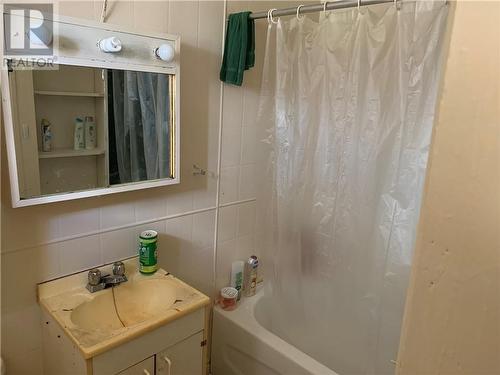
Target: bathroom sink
97,314
144,299
102,320
127,304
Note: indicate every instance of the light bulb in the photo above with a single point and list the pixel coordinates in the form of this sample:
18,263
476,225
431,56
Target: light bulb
165,52
111,44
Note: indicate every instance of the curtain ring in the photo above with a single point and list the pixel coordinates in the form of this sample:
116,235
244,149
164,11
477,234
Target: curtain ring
359,4
270,16
297,13
397,4
324,6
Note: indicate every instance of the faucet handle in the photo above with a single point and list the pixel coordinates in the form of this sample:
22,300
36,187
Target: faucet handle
118,268
94,277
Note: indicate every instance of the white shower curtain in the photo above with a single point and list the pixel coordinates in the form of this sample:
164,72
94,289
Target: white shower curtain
141,113
345,121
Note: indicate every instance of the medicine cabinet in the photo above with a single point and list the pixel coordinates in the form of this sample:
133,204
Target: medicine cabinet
102,117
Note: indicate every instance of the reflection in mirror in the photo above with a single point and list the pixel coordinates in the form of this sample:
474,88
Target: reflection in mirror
139,117
79,128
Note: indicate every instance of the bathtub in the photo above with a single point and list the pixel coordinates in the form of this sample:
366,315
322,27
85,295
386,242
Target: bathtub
242,345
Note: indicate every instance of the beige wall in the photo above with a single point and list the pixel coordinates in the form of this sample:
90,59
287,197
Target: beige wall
452,319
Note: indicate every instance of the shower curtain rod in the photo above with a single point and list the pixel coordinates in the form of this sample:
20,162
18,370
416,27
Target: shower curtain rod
340,4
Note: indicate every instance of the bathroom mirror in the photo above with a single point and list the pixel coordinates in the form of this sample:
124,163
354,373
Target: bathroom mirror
85,126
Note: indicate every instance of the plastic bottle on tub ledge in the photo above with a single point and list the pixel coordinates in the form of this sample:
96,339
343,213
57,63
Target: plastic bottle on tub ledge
237,276
250,278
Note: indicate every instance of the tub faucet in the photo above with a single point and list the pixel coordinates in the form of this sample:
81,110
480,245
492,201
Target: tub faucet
97,281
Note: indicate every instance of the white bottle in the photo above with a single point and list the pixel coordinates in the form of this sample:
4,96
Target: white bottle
237,276
46,136
90,133
79,134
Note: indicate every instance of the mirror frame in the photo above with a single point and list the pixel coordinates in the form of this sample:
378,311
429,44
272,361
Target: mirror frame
139,58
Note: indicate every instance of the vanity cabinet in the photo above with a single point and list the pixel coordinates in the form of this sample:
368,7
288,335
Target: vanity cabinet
178,348
183,358
149,325
146,367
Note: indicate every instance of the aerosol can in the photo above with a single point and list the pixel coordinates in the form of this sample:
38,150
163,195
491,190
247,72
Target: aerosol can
250,277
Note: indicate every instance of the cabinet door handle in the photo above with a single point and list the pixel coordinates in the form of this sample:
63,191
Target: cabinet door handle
169,364
146,372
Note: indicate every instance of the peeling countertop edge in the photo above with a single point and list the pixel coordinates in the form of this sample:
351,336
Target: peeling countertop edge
129,335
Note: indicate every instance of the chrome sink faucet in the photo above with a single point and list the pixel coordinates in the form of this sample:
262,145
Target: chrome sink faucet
97,281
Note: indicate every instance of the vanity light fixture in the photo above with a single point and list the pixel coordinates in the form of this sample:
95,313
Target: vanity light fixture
111,44
165,52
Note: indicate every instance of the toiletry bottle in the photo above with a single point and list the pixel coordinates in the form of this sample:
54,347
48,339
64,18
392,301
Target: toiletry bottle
250,278
46,136
79,134
90,133
237,276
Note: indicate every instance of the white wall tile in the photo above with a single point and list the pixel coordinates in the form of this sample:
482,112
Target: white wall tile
116,215
247,185
178,240
80,254
246,219
233,106
205,196
196,268
45,261
248,145
229,184
226,254
245,247
27,227
251,98
79,221
180,202
203,229
150,207
231,147
228,222
117,244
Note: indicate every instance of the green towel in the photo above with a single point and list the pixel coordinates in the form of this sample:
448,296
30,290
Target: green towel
239,48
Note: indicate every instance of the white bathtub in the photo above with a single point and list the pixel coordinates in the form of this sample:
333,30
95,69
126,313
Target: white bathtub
242,345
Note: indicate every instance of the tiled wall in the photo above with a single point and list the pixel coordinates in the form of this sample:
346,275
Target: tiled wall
239,174
43,242
236,219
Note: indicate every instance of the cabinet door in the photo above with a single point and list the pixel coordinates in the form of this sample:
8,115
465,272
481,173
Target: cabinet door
183,358
146,367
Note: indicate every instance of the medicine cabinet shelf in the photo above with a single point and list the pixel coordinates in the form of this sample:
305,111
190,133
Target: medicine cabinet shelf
67,93
67,153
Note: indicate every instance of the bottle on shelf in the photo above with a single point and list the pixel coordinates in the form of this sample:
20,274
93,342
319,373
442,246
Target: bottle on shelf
90,133
46,136
79,134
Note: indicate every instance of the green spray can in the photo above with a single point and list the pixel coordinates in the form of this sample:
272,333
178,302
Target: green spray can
148,255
